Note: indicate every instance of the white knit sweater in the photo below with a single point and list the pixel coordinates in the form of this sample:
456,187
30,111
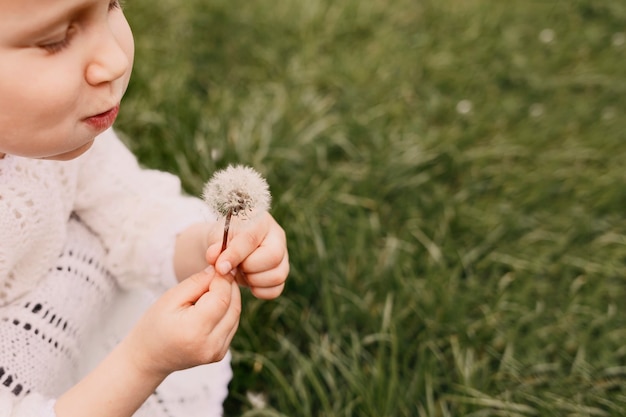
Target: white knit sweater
85,245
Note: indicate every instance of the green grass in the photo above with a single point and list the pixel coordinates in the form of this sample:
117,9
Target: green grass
452,178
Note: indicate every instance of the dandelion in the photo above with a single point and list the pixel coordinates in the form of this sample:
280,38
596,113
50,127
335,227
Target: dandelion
236,191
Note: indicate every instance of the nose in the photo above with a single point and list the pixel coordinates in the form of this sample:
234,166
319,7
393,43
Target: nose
110,59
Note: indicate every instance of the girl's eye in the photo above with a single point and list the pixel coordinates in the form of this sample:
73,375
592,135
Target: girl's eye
58,46
54,47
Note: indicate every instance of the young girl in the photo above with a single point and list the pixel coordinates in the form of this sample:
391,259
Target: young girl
82,223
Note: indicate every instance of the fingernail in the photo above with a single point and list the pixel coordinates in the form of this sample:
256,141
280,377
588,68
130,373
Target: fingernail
224,267
209,269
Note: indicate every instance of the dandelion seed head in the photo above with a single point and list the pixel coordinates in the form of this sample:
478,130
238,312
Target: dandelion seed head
238,190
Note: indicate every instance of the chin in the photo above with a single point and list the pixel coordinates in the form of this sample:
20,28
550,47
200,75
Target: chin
69,155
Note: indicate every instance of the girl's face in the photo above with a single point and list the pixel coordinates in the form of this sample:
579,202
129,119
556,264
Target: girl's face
64,67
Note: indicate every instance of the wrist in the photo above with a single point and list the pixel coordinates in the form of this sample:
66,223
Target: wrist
139,362
116,387
190,250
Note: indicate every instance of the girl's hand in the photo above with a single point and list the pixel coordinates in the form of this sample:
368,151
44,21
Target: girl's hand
191,324
259,251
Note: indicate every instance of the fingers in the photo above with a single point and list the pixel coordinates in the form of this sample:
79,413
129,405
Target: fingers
220,308
268,284
271,253
230,323
246,242
256,257
255,250
267,293
191,324
222,300
191,289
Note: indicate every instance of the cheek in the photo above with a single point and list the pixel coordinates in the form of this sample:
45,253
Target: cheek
130,52
40,78
49,94
35,92
124,36
38,102
126,42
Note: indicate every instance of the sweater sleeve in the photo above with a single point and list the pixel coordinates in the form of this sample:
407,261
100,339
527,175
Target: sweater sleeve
32,405
136,212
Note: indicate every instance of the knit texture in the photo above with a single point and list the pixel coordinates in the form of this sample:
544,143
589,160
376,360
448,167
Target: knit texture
135,212
85,247
42,333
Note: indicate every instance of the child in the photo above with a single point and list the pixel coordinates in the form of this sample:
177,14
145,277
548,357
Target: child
80,220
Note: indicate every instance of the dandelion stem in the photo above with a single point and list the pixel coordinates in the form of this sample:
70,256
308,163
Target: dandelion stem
226,229
239,274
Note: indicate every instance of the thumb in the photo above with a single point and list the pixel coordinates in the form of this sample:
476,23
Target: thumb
213,252
189,290
214,240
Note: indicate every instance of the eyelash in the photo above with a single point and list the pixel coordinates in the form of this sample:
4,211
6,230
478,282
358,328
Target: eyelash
56,47
116,4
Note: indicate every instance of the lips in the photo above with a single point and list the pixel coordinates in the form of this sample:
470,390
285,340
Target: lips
103,120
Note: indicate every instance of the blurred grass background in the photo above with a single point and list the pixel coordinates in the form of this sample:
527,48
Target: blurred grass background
451,177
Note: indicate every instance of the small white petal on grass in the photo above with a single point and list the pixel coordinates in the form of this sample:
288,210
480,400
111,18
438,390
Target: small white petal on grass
216,154
536,110
257,400
464,106
608,113
547,36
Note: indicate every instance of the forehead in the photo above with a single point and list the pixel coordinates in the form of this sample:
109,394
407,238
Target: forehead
24,17
25,8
